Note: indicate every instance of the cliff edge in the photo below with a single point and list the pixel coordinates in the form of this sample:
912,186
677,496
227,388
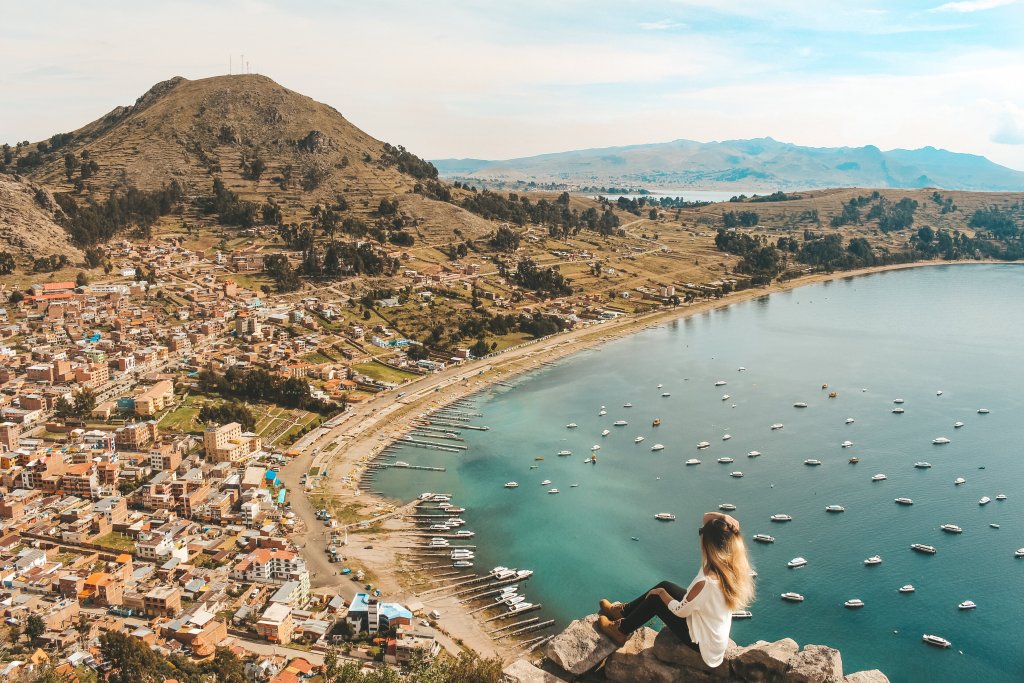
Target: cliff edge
581,652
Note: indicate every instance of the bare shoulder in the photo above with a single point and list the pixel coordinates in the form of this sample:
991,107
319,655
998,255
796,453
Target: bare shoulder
695,590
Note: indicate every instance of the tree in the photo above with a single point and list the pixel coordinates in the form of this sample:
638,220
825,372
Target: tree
6,263
81,279
480,348
34,627
505,239
94,257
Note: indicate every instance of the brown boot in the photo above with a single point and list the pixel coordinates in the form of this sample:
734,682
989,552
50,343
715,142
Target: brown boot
612,610
611,629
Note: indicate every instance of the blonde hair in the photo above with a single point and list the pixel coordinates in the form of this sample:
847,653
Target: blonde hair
725,556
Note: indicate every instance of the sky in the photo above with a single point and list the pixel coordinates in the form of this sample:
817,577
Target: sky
461,78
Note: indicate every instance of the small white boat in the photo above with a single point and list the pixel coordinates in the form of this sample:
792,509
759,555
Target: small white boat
523,573
958,481
835,508
846,444
665,394
853,603
725,397
904,501
793,597
812,462
546,482
606,432
602,412
573,486
520,607
660,386
951,528
564,453
465,533
511,485
909,588
796,562
898,410
873,560
619,423
935,640
983,411
571,425
922,465
740,369
627,405
994,525
781,518
657,447
720,383
879,477
736,475
726,437
897,400
595,447
554,491
665,517
725,461
985,500
939,392
1000,496
922,548
850,420
940,440
702,445
753,454
638,439
693,461
764,538
742,614
800,404
726,506
967,604
590,460
462,564
777,425
1019,552
958,425
439,542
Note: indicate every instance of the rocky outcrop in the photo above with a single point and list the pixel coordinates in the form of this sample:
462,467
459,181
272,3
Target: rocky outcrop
650,657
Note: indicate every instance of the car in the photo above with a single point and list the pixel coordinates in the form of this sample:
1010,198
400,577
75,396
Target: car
367,547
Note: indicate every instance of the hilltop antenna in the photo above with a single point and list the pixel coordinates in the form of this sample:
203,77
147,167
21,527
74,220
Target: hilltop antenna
243,62
231,63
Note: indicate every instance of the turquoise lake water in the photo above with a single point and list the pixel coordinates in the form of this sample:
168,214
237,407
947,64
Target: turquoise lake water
903,334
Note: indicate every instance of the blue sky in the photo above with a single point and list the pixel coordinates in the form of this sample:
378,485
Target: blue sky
497,80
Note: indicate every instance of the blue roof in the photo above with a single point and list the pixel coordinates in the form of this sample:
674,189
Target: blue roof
360,603
281,495
271,475
392,610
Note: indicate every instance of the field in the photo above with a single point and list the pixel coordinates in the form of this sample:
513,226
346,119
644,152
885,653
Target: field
383,373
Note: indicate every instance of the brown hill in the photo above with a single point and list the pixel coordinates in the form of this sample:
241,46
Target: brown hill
260,138
30,222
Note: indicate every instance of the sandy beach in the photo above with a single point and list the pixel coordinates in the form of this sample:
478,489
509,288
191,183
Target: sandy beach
355,439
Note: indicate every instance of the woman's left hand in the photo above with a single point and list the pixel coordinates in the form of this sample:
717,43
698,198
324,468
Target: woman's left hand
663,594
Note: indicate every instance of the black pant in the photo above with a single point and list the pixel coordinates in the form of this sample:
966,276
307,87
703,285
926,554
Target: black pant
638,612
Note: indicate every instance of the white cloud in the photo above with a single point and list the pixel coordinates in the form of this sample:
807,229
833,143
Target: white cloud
972,5
661,25
1010,130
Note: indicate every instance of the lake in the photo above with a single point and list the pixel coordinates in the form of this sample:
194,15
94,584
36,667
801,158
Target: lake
907,334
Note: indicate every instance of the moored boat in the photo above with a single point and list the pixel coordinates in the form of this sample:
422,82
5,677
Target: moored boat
665,517
922,548
967,604
812,462
753,454
725,461
619,423
793,597
904,501
951,528
702,445
940,440
799,404
853,603
985,500
693,461
922,465
873,560
835,508
742,614
764,538
736,475
958,481
796,562
511,485
657,447
909,588
935,640
781,518
726,506
879,477
983,411
777,425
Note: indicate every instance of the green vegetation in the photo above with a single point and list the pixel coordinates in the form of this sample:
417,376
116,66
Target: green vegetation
259,385
98,222
547,282
229,208
117,541
561,221
384,373
229,411
407,162
77,405
740,219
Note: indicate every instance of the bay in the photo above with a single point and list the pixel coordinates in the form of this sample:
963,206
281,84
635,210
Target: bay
908,334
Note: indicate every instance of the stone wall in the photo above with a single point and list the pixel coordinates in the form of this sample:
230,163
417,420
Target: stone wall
581,652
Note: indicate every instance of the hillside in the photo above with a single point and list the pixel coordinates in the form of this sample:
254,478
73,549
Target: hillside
30,222
748,165
261,139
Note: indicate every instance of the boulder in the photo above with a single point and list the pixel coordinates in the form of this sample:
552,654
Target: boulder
580,647
668,649
872,676
635,662
816,664
763,661
521,671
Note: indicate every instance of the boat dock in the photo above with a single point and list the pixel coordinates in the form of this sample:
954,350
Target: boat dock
450,448
384,466
458,425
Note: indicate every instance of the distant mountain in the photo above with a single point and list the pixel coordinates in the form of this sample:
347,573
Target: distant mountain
758,164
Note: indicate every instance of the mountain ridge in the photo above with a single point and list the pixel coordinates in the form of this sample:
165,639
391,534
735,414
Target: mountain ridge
751,164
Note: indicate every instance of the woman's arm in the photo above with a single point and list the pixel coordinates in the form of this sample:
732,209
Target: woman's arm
684,607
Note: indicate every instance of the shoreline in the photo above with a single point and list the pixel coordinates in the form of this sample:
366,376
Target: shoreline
388,417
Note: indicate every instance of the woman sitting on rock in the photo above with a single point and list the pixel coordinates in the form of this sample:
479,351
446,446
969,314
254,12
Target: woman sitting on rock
701,614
